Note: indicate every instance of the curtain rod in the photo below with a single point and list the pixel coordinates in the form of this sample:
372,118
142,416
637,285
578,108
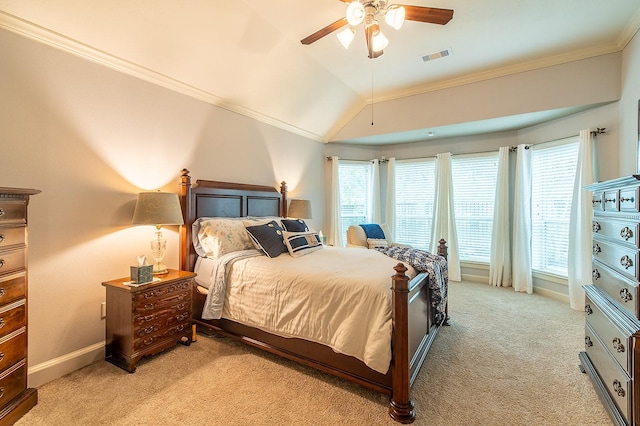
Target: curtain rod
598,131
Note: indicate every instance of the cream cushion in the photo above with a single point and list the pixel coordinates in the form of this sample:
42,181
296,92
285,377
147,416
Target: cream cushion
357,238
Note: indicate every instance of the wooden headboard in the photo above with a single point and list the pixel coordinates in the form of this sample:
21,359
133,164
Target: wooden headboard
208,198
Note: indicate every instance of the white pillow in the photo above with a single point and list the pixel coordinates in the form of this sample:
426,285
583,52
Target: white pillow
373,242
213,237
301,243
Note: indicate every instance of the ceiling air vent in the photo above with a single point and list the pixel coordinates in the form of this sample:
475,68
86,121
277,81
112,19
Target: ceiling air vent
437,55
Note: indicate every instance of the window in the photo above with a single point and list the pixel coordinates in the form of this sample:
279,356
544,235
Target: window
415,187
553,168
355,194
474,191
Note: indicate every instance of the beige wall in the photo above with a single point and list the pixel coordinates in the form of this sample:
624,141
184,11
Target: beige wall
91,138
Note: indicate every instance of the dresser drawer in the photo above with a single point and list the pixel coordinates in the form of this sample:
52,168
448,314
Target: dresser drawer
616,381
597,200
12,236
610,201
12,260
621,289
176,311
628,200
13,348
13,212
620,258
162,335
616,342
12,317
623,231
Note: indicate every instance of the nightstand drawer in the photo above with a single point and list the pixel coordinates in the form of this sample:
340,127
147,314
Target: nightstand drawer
621,289
13,348
13,212
150,305
162,335
616,381
615,341
12,236
165,315
620,258
160,292
12,317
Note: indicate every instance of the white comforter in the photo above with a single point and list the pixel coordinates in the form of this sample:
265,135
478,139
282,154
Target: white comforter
335,296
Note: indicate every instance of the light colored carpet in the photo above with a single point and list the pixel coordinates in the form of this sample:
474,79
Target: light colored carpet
507,359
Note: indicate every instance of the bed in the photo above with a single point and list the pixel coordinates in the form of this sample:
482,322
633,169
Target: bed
413,324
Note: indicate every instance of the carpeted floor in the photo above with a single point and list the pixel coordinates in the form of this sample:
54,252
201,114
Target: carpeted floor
507,359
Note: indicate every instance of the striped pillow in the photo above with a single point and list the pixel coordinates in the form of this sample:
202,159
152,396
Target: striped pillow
301,243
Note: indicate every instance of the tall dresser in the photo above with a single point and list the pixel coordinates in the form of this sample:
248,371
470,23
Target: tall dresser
15,398
612,304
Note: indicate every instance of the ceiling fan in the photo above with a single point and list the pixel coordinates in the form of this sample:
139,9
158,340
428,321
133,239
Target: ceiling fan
368,12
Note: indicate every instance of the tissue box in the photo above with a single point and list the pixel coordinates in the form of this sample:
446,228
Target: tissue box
142,274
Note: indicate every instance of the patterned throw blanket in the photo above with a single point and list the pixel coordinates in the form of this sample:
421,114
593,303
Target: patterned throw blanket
435,266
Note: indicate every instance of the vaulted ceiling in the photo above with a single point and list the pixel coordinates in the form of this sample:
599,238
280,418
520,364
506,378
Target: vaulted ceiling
246,55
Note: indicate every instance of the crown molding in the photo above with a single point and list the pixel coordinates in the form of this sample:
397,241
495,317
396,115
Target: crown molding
74,47
629,30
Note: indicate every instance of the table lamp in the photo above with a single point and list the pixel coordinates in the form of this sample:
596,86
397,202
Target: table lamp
300,209
158,208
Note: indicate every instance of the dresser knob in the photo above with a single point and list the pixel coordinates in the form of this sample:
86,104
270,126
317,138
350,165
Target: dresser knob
610,200
2,323
596,227
625,295
1,263
617,386
1,212
595,274
624,200
1,356
626,233
1,392
588,310
596,249
626,262
1,238
587,341
596,201
617,345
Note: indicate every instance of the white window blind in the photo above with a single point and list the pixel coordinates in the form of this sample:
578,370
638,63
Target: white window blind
414,187
553,167
474,191
354,177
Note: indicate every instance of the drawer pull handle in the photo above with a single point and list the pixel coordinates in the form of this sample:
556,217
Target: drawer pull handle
588,310
1,238
626,233
625,295
596,249
1,392
1,263
587,341
617,345
609,200
595,274
596,227
617,386
596,201
624,200
626,262
1,356
1,212
2,323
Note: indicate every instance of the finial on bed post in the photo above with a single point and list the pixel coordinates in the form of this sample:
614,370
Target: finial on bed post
401,405
185,231
283,191
442,248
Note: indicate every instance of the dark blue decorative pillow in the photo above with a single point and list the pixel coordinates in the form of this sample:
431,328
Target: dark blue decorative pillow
268,238
301,243
294,225
373,230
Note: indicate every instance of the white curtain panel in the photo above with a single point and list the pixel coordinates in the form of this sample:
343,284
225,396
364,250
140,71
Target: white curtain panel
374,213
522,275
444,222
580,223
500,261
390,210
335,224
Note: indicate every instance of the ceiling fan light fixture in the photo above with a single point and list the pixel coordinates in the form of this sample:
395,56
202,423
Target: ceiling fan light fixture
346,37
355,13
395,16
379,41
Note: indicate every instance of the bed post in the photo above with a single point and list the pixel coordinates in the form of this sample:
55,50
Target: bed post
283,191
401,405
185,230
442,248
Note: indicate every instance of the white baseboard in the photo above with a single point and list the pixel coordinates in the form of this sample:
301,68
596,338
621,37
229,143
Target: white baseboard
552,294
475,278
45,372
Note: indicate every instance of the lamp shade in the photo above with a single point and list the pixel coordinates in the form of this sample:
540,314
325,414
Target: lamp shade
300,209
157,208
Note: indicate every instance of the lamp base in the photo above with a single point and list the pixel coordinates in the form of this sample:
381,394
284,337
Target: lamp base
160,269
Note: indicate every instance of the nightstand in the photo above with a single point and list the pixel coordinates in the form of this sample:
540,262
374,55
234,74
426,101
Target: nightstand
148,319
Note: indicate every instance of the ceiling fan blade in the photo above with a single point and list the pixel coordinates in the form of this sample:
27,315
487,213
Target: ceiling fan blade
368,32
430,15
325,31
